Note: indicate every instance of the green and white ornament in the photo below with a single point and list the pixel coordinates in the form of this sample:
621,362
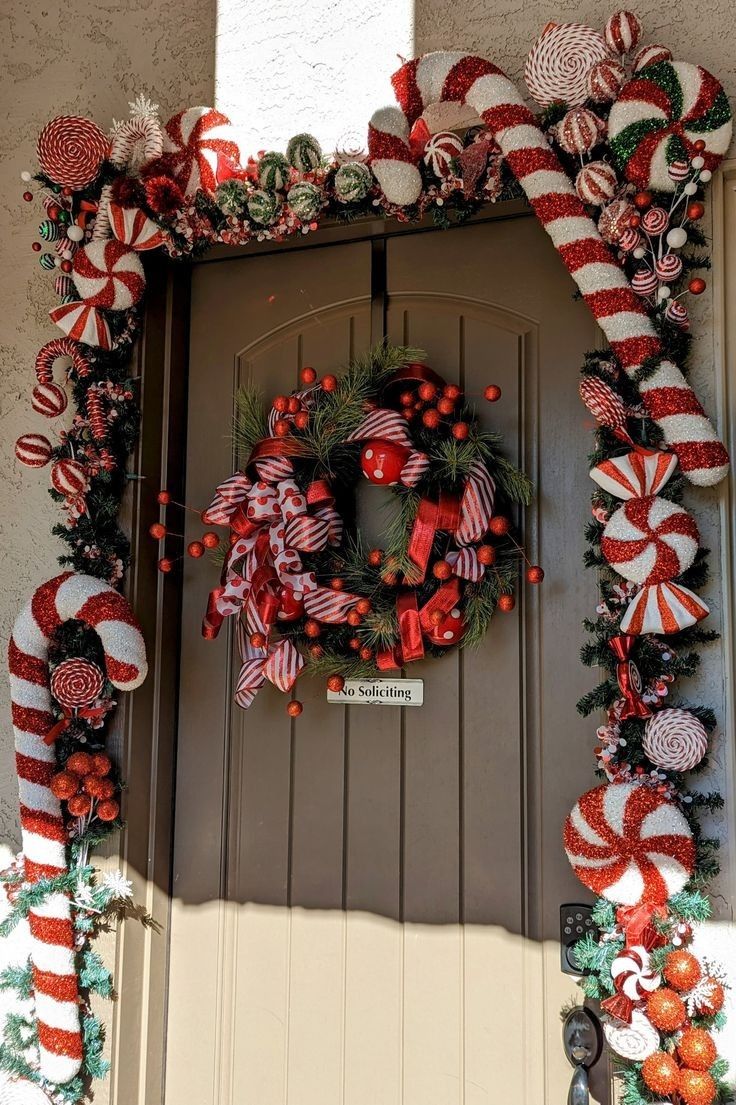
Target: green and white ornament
304,152
232,196
264,207
273,171
352,182
305,200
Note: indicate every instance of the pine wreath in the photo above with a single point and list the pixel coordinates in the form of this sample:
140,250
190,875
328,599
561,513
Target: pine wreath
308,595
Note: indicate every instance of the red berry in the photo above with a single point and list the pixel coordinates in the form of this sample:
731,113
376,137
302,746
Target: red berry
695,210
315,651
355,644
506,603
699,145
281,404
210,540
101,764
408,413
98,787
28,196
427,391
445,406
195,549
36,247
642,200
308,375
375,556
431,419
281,427
157,531
366,653
81,763
66,267
460,430
301,420
499,525
108,811
337,584
353,618
486,554
697,286
312,628
407,398
451,391
64,784
335,683
258,640
165,564
634,221
534,574
442,570
294,404
164,497
363,606
329,383
492,393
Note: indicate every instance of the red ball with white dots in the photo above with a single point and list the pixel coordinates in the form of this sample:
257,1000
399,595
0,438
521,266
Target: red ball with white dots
450,630
382,461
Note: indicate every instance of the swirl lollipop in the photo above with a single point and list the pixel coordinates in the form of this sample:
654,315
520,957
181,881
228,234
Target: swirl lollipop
71,150
675,740
558,63
76,683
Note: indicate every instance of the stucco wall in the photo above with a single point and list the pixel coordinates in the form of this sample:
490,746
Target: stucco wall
277,68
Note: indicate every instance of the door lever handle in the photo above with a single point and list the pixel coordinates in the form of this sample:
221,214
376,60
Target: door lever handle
582,1040
578,1093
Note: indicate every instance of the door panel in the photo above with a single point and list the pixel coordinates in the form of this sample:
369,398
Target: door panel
366,899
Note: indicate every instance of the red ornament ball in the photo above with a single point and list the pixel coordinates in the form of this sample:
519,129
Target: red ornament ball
353,618
441,569
79,805
506,603
450,630
291,607
36,247
195,549
97,787
499,525
329,383
101,764
294,404
492,393
28,197
660,1072
66,267
697,285
364,606
382,461
695,210
335,683
312,628
210,540
445,406
451,391
486,555
366,653
337,584
355,644
81,763
427,391
642,200
64,784
460,430
294,708
307,375
33,450
315,651
165,564
258,640
108,810
699,145
157,531
163,497
697,1049
375,557
301,420
666,1010
696,1087
431,418
281,404
534,574
681,969
281,427
407,398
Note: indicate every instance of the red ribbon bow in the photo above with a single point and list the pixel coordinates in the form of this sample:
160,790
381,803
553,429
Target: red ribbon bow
415,623
628,678
88,712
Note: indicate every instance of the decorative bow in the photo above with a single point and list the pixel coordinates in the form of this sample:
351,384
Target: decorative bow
414,623
278,662
628,678
89,713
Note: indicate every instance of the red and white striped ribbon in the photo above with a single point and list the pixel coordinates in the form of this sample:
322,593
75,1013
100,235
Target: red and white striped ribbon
383,425
64,598
476,505
465,79
280,664
329,606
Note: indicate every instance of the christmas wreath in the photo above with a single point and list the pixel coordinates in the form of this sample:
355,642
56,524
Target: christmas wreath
308,594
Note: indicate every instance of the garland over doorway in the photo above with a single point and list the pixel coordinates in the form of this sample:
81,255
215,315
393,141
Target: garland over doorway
614,169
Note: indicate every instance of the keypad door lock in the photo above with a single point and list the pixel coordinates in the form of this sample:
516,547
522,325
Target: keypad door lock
575,921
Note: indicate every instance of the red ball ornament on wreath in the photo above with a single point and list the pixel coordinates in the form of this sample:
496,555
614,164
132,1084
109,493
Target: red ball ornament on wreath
630,844
382,461
291,605
109,274
69,478
650,540
76,683
450,630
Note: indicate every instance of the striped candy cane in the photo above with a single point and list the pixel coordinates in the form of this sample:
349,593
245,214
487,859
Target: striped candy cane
464,79
89,600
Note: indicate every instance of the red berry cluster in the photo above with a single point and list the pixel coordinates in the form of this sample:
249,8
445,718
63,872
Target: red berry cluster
85,787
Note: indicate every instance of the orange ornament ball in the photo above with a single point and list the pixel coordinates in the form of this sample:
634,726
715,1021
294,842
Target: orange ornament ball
337,584
695,210
451,391
460,431
295,708
431,418
445,406
375,556
308,375
281,403
642,200
329,383
315,651
697,1049
534,574
486,555
79,805
108,810
427,391
210,540
366,653
353,618
499,525
682,970
163,497
281,427
660,1072
312,628
666,1010
165,564
81,763
294,404
258,640
696,1087
355,644
157,531
442,570
492,393
101,764
506,603
301,420
407,398
64,784
335,683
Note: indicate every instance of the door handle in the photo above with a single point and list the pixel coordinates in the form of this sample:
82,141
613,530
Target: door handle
578,1093
582,1040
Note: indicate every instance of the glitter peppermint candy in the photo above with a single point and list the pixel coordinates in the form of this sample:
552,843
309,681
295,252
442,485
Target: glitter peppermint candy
668,267
605,80
71,150
644,282
579,131
623,31
650,540
675,740
558,63
76,683
596,183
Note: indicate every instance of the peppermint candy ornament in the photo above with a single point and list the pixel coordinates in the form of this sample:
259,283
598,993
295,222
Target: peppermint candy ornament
133,227
596,183
635,474
605,80
109,274
655,221
677,313
663,609
305,200
352,182
304,152
82,323
650,540
632,973
558,63
635,1041
644,282
264,207
623,31
658,117
76,683
675,740
33,450
668,267
629,844
613,221
579,131
273,171
199,149
69,478
49,400
439,152
651,55
71,150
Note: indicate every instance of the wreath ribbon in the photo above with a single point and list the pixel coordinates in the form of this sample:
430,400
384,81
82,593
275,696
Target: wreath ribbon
415,623
91,713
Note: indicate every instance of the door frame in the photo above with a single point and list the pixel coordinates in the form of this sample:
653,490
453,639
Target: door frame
147,741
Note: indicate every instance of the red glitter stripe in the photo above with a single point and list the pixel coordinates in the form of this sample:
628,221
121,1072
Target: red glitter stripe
43,604
59,1041
51,930
27,667
503,116
632,352
700,454
405,88
663,401
532,159
108,606
613,301
557,205
33,770
35,871
30,720
709,89
463,76
48,825
640,88
584,252
61,987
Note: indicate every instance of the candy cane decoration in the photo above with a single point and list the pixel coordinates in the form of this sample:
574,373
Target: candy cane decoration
464,79
79,597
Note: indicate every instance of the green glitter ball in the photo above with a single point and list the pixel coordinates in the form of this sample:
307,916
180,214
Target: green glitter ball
304,152
305,200
264,207
273,171
352,182
64,217
232,196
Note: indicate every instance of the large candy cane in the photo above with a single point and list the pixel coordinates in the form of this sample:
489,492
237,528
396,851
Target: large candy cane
445,77
89,600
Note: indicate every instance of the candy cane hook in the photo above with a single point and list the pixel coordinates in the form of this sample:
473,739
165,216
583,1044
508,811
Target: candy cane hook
61,599
454,77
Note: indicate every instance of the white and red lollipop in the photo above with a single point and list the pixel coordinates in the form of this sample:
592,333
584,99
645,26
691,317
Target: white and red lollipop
71,150
200,149
109,274
76,683
675,740
557,66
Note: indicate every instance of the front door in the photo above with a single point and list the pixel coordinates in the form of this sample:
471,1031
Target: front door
366,899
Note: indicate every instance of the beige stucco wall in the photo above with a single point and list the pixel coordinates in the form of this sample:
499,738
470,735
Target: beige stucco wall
278,67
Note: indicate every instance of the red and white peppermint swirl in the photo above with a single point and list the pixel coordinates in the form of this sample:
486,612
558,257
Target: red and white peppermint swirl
579,131
109,274
199,148
49,400
632,973
623,31
668,267
650,540
596,183
630,240
655,221
675,740
71,150
558,63
50,353
679,171
69,478
33,450
636,474
99,606
133,227
677,313
76,683
440,151
651,55
605,80
82,323
663,608
644,282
